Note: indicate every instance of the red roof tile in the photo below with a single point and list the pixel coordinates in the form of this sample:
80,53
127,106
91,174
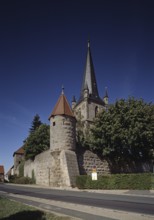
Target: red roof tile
1,169
62,107
19,151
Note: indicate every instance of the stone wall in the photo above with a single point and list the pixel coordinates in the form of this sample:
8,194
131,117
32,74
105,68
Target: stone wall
62,133
53,168
87,110
29,166
92,110
40,167
69,167
1,177
60,168
87,160
17,160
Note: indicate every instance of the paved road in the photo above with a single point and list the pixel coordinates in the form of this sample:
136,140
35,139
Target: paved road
138,204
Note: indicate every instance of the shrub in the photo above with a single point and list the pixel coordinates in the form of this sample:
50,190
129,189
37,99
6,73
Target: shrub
21,169
21,180
33,177
12,178
144,181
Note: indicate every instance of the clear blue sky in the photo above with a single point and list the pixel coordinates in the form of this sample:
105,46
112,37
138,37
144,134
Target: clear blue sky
43,45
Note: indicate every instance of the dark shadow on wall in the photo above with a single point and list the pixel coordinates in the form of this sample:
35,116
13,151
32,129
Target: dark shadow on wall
26,215
86,160
80,158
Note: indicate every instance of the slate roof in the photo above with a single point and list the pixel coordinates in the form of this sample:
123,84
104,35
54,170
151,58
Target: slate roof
19,151
62,107
1,169
89,80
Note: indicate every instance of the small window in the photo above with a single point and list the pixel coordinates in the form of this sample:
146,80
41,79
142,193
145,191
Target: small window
54,123
96,111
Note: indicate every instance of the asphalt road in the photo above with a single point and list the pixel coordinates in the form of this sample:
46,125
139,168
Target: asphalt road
138,204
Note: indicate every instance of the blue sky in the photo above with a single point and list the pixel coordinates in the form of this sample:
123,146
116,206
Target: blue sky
43,46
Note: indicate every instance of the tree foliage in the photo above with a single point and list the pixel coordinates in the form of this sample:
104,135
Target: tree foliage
126,130
37,141
35,123
82,133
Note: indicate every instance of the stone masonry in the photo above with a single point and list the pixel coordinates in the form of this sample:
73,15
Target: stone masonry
58,166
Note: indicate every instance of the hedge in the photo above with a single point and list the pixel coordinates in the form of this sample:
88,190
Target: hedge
21,180
142,181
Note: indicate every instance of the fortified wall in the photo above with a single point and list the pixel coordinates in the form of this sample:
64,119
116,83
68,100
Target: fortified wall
87,160
57,169
58,166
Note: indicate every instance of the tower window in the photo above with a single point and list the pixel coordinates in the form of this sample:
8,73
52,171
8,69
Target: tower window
54,123
96,111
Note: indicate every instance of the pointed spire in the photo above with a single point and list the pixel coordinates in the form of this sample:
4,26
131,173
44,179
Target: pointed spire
89,79
86,86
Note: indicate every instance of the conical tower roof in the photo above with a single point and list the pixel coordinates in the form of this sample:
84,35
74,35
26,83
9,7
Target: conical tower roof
89,79
62,107
19,151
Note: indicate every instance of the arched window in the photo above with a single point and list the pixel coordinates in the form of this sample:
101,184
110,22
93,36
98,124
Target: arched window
96,111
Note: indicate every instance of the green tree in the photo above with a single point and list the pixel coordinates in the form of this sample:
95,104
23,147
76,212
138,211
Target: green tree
35,123
37,142
126,130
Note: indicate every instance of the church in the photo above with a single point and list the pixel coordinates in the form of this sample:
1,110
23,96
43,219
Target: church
59,165
89,103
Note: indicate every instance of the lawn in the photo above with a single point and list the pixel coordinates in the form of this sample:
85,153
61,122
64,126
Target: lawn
11,210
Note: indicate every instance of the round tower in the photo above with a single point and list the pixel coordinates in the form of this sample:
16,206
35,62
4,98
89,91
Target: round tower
62,126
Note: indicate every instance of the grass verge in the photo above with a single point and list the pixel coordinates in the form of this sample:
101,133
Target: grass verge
11,210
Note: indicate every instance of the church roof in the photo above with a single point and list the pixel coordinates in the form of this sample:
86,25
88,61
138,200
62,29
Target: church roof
19,151
62,107
89,80
1,169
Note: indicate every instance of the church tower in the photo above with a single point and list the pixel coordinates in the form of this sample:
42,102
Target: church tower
89,103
